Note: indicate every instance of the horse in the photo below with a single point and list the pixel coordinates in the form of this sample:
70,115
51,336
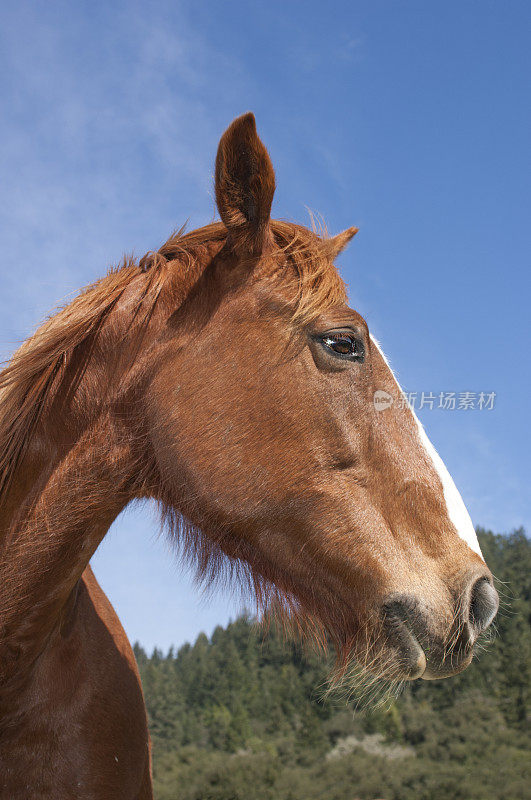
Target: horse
224,376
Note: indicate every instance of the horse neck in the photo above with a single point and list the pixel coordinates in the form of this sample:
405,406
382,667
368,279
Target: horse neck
49,535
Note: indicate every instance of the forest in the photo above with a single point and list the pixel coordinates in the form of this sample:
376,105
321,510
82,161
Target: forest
245,715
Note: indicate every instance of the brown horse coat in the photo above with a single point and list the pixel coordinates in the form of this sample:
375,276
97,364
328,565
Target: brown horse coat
226,377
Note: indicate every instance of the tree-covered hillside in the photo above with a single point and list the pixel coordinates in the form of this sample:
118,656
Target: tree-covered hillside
241,716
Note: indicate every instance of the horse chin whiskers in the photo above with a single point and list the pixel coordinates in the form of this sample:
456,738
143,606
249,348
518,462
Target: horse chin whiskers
371,676
367,686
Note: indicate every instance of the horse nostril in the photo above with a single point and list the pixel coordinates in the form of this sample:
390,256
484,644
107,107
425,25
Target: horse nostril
483,604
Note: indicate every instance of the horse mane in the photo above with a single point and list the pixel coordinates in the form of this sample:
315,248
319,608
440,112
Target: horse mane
28,381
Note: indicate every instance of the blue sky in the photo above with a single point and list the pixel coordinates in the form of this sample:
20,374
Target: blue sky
408,119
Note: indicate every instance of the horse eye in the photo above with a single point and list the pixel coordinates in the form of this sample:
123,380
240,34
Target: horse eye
344,345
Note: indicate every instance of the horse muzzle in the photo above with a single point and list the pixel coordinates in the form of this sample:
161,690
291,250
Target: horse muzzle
423,645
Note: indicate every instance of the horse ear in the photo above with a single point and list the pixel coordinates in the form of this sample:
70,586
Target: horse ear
336,244
245,184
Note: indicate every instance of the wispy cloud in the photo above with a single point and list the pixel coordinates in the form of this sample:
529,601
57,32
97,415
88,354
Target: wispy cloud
107,139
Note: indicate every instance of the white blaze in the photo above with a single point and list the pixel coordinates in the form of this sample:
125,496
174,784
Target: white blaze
455,507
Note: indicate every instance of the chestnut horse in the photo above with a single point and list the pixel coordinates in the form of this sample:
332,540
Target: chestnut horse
226,377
